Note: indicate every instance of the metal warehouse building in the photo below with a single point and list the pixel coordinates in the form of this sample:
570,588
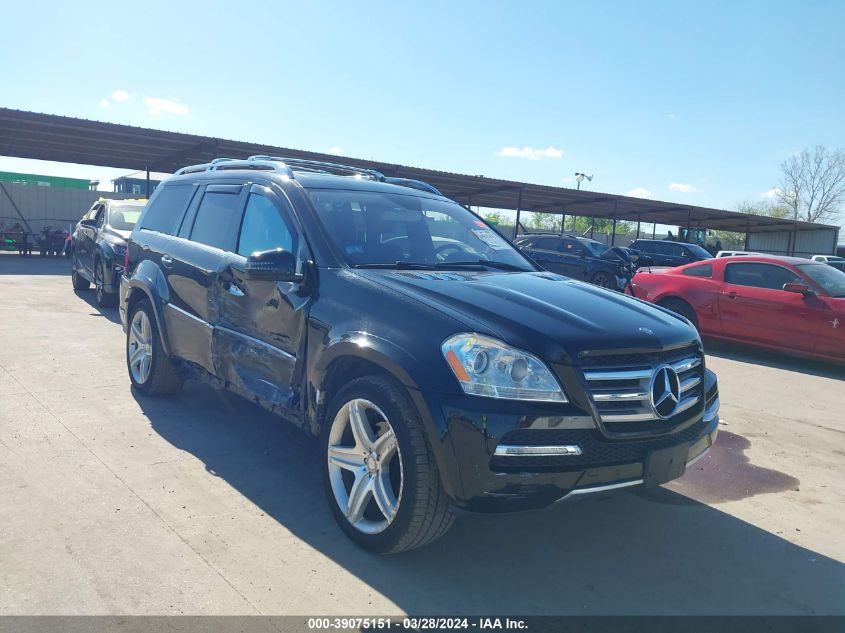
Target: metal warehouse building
65,139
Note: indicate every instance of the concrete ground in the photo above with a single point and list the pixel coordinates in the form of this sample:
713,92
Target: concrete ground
204,504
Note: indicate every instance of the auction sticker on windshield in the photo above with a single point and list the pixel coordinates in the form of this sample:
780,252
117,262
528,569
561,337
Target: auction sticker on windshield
491,238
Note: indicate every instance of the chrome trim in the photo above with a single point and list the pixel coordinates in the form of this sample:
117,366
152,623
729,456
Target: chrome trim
189,315
689,383
586,491
699,456
629,417
685,404
620,397
256,342
620,374
713,411
685,364
509,450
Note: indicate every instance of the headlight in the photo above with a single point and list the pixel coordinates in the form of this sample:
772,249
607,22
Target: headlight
487,367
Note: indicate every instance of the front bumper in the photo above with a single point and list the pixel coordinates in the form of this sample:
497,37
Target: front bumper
494,477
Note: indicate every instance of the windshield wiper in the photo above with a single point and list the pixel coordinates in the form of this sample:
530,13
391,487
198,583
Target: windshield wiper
399,265
484,262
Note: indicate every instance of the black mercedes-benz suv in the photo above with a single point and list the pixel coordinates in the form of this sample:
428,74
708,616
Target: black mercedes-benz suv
98,247
438,365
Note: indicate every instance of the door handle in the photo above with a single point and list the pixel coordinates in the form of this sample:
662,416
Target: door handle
730,295
166,261
234,290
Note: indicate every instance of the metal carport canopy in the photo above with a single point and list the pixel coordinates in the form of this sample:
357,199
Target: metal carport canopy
71,140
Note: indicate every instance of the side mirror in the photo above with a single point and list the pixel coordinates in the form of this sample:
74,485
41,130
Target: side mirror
273,265
92,223
799,288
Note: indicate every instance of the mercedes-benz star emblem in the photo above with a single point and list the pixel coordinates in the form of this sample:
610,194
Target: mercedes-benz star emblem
665,391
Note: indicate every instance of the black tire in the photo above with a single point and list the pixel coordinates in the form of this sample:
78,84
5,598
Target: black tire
604,280
104,299
78,281
424,512
681,307
164,377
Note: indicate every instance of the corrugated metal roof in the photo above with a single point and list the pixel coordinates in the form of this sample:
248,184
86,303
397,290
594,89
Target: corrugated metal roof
66,139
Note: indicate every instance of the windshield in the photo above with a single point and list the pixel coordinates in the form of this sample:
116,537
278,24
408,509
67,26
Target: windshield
699,252
378,229
595,248
828,277
123,218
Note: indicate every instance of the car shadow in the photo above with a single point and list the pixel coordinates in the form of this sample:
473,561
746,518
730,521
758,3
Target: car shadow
777,360
618,553
90,297
13,264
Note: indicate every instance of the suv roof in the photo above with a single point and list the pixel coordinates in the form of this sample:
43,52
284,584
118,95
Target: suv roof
311,173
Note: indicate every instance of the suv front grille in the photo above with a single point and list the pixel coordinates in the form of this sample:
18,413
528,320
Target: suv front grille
620,386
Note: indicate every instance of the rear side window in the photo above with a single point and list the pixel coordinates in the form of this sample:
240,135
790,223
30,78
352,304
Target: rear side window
645,247
546,243
263,228
705,270
165,209
759,275
573,248
217,221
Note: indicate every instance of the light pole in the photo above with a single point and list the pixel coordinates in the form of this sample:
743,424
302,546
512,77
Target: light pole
579,177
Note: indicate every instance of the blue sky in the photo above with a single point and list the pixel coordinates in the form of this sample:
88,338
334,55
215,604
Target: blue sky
684,101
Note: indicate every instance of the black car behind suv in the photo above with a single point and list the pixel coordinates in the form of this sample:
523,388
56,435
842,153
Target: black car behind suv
99,246
438,366
668,253
580,258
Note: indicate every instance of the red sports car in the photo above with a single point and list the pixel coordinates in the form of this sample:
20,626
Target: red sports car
781,303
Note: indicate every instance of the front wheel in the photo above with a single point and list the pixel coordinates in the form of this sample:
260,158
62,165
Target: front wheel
681,307
380,477
104,299
604,280
150,369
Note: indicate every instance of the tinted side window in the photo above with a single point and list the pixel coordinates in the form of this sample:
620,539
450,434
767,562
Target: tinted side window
546,243
572,247
263,228
705,270
645,247
218,217
759,275
165,209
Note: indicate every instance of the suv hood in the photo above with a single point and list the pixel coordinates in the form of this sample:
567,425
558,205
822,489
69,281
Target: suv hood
547,314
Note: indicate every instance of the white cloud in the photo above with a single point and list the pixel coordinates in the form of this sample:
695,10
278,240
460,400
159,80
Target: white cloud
770,194
640,192
104,103
671,116
530,153
157,105
120,95
335,150
684,187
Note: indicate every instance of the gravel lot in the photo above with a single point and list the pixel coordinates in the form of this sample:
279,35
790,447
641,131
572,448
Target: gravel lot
204,504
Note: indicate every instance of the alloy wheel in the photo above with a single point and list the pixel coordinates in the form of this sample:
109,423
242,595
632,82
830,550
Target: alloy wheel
140,347
365,466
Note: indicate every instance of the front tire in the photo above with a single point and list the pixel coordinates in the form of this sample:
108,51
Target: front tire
604,280
78,281
380,477
681,307
150,369
104,299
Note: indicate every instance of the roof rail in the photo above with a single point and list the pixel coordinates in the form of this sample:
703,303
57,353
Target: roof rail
219,164
319,166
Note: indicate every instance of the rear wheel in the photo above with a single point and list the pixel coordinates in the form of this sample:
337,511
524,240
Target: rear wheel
78,281
150,369
104,299
681,307
380,477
